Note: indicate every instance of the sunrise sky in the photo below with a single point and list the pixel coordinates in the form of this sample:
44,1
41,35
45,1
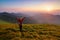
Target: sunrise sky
29,5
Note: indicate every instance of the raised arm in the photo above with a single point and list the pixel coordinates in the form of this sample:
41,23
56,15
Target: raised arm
23,18
20,19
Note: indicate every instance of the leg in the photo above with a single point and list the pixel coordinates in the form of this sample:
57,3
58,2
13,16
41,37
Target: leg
20,26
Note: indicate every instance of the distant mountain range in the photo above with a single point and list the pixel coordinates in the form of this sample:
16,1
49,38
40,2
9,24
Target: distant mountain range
11,17
48,18
36,19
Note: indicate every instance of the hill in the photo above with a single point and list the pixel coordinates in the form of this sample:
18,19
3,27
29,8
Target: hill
47,18
4,22
11,17
30,32
38,18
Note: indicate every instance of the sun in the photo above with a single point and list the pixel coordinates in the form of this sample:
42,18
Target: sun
47,8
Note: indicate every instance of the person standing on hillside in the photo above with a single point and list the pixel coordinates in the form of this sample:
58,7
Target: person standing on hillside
20,21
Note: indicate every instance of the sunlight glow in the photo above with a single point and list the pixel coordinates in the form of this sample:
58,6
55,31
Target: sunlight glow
48,8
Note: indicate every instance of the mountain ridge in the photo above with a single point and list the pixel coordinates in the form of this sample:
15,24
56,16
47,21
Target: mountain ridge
35,19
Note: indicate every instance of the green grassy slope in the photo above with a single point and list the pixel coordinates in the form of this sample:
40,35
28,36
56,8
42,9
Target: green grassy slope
4,22
30,32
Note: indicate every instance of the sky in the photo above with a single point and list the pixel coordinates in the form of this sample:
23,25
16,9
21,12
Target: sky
29,5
